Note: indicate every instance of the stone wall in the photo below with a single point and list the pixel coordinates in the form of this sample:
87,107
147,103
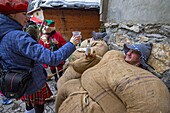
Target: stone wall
158,34
132,33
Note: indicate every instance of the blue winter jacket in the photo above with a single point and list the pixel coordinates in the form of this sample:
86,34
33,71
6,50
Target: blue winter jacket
18,50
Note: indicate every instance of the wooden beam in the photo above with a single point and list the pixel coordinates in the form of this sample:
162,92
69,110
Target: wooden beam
103,10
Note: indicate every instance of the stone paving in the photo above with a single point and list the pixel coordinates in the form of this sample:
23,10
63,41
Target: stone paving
19,107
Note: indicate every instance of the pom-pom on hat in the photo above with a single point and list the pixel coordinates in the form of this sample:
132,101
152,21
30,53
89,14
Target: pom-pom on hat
13,6
144,49
49,26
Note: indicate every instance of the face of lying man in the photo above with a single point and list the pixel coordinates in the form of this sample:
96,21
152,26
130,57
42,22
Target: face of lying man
132,57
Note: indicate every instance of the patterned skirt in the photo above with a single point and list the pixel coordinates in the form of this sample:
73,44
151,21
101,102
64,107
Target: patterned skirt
38,98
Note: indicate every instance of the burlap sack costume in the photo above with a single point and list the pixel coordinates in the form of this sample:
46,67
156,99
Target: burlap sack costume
76,68
138,90
118,87
69,87
78,63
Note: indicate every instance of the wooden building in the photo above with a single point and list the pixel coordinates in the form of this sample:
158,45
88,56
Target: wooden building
68,19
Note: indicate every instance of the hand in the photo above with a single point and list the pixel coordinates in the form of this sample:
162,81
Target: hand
55,41
75,39
91,55
44,38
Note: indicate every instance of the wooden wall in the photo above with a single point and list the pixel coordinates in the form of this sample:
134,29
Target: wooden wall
68,20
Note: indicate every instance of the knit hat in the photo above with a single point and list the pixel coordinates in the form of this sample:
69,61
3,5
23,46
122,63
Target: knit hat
49,23
49,26
144,49
13,6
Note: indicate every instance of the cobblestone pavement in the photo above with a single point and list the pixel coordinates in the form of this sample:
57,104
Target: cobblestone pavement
19,107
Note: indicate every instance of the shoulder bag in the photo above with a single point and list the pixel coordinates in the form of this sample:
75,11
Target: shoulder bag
13,84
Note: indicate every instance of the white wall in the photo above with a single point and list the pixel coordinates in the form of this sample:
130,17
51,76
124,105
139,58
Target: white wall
85,0
139,11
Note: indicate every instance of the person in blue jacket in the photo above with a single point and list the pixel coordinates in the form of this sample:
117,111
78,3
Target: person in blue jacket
20,51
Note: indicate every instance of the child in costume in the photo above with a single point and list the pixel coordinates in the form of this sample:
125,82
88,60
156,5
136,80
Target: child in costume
53,41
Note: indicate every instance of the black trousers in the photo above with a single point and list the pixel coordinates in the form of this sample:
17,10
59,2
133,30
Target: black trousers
38,108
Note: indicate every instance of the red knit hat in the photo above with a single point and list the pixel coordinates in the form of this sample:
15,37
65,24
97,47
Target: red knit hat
13,6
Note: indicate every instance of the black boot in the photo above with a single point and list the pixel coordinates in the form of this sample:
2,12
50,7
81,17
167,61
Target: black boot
53,71
60,73
55,76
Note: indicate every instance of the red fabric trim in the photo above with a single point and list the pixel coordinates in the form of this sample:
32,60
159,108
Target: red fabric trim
39,97
36,20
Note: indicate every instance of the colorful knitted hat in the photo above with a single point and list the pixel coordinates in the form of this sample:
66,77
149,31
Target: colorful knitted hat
49,23
49,26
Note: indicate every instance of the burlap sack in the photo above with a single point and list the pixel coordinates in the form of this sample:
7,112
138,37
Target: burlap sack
77,67
82,64
72,98
69,74
119,87
160,57
100,47
84,42
74,104
76,55
67,88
